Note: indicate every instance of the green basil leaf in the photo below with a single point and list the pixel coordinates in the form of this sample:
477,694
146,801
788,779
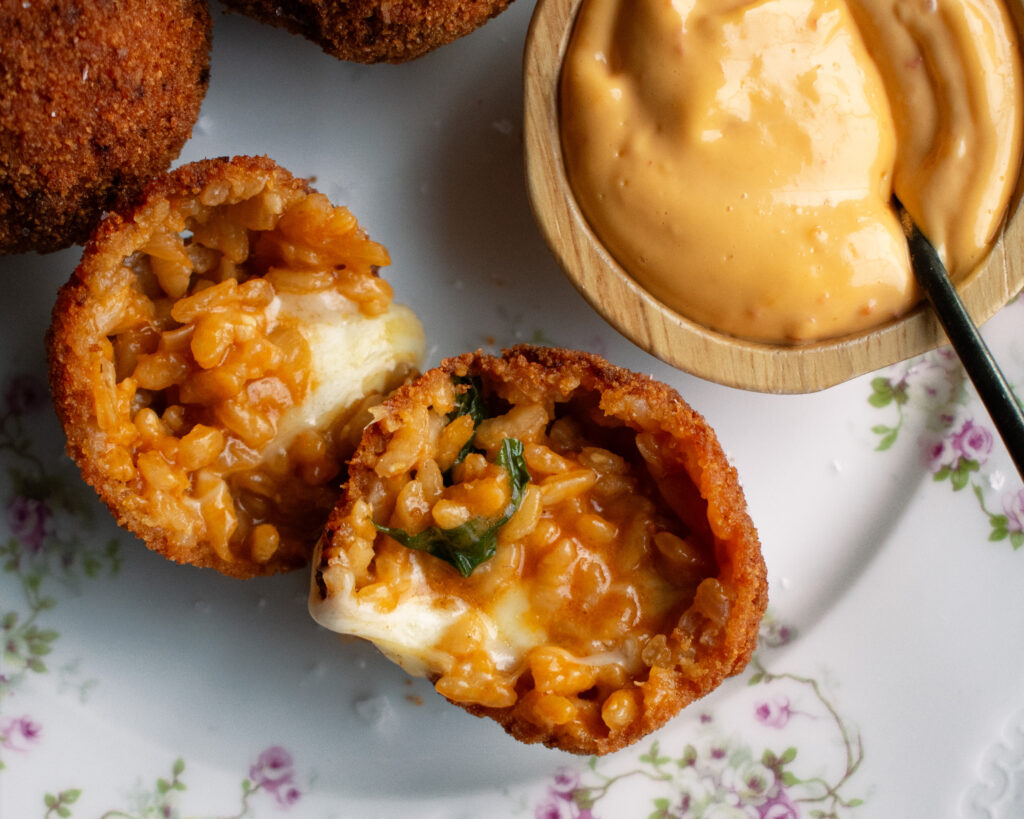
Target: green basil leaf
467,546
510,458
468,402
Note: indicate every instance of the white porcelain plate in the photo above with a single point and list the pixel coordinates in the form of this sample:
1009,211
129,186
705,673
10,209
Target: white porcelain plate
888,680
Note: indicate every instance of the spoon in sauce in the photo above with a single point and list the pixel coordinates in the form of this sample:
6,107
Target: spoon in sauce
683,342
988,379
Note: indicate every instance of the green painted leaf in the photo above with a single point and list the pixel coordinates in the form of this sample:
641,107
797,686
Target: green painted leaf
789,778
653,753
887,441
584,798
10,620
179,766
63,812
788,755
855,803
467,546
162,786
37,665
1017,540
998,534
689,756
71,796
959,478
50,800
881,392
755,679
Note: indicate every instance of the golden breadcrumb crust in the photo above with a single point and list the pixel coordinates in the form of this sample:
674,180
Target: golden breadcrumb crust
96,97
375,31
528,374
76,358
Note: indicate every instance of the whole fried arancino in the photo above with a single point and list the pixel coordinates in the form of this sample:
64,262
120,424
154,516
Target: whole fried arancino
212,356
374,31
628,583
96,97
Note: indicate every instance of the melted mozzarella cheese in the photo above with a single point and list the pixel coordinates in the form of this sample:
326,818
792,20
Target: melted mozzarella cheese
352,356
408,633
411,632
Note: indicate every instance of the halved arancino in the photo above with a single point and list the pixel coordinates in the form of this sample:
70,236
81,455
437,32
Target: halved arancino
212,358
557,543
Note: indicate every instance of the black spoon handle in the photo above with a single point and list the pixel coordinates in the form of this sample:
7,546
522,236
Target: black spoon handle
981,367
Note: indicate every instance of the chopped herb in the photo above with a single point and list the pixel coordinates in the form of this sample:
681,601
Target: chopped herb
468,402
467,546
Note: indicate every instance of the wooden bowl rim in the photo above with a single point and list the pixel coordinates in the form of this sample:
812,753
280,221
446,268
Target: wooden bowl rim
679,341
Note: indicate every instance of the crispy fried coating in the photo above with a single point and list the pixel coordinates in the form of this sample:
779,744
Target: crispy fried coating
213,356
607,673
375,31
96,97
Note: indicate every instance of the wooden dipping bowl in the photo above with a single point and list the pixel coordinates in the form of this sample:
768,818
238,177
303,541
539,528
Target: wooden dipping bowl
735,362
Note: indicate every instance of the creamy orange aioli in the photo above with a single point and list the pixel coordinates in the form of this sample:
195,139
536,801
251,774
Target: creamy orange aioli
738,158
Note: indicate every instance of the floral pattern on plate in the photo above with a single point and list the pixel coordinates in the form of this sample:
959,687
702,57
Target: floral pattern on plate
728,768
959,442
99,635
50,546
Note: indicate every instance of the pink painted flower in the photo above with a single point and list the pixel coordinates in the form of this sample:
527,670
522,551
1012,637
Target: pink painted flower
779,808
973,442
938,451
29,521
273,771
552,808
272,765
20,733
1013,507
286,797
566,780
933,381
560,801
776,634
774,713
